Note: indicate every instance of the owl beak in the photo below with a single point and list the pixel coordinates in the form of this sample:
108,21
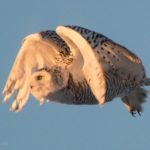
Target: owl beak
41,101
31,86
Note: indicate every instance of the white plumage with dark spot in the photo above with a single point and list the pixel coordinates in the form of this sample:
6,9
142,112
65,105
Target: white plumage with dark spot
75,65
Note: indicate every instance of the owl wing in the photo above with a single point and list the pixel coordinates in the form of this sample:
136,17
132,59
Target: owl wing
101,56
39,50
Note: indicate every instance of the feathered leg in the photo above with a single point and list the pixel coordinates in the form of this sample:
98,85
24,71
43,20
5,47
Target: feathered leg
133,102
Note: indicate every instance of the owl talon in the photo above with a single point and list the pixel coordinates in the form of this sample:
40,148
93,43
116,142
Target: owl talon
133,113
139,112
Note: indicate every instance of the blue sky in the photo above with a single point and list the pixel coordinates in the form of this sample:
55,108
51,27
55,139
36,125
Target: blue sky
62,127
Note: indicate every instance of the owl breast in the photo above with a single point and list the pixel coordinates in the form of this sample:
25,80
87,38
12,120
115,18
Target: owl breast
77,93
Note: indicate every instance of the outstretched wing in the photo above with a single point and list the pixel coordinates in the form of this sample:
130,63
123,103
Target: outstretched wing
38,50
101,56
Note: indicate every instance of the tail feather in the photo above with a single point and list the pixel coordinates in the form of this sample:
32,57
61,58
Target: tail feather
147,82
133,102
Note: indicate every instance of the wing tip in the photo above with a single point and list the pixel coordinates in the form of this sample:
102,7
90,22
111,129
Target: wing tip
60,29
34,36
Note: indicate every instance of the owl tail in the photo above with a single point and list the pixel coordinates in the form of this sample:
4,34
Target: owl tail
147,82
133,102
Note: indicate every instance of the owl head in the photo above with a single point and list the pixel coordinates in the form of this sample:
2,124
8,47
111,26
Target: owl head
45,82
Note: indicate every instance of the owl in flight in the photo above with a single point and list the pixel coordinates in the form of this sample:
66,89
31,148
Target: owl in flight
74,65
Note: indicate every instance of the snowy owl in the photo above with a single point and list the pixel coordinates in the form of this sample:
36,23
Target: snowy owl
76,66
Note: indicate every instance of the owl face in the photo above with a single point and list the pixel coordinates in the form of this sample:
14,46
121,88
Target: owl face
42,84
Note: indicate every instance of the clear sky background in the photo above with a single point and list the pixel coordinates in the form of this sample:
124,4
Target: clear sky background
64,127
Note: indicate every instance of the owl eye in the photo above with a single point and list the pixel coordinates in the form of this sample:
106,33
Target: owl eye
39,77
